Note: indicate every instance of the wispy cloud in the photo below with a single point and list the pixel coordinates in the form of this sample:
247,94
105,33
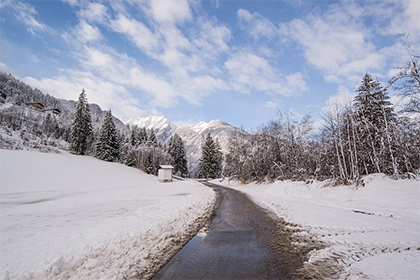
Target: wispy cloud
336,44
27,14
94,12
256,25
136,32
270,104
250,72
169,11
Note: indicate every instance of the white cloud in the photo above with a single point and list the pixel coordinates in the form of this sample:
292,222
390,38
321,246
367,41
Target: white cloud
162,93
137,32
170,11
94,12
340,41
335,44
88,33
211,38
256,25
338,102
270,104
408,20
250,72
6,69
106,94
26,13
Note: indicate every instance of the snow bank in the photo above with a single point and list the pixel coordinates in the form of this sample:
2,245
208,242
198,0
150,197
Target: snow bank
369,232
65,216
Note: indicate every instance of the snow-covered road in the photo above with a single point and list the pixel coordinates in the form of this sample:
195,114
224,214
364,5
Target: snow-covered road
370,232
65,216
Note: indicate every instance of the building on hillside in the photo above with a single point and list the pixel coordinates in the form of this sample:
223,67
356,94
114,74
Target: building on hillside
36,106
165,173
55,111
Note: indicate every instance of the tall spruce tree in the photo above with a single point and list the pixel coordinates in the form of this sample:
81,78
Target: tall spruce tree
211,158
81,131
135,136
107,147
176,149
373,114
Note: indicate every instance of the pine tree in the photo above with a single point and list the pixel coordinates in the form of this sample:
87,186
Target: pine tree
81,131
211,158
176,149
107,147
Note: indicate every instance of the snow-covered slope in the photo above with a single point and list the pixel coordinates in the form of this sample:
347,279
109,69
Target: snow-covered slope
76,217
161,125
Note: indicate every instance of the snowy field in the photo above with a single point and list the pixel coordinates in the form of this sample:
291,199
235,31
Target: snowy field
72,217
370,232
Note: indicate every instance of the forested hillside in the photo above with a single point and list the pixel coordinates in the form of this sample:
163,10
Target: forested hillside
49,128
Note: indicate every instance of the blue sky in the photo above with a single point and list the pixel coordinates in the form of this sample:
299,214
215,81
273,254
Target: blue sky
238,61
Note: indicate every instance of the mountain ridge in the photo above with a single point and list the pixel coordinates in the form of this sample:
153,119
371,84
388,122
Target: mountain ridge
193,136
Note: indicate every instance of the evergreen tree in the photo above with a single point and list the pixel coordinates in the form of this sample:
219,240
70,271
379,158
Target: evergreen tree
142,136
211,158
107,147
81,131
134,137
374,114
176,149
148,165
152,140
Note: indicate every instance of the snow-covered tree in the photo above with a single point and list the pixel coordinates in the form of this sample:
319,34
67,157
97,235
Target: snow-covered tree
142,136
211,158
134,137
107,146
176,149
151,139
81,131
374,115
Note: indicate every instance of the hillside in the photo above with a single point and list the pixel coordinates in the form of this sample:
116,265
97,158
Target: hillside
90,219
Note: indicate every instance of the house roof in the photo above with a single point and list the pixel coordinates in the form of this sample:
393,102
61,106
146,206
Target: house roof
166,167
35,104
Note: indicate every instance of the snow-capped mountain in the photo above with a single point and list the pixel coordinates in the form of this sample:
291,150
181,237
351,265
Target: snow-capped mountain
193,137
161,125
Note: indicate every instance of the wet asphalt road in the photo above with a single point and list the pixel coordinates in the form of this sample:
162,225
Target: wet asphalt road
242,242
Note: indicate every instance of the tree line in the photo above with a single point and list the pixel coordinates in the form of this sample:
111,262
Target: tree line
141,149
